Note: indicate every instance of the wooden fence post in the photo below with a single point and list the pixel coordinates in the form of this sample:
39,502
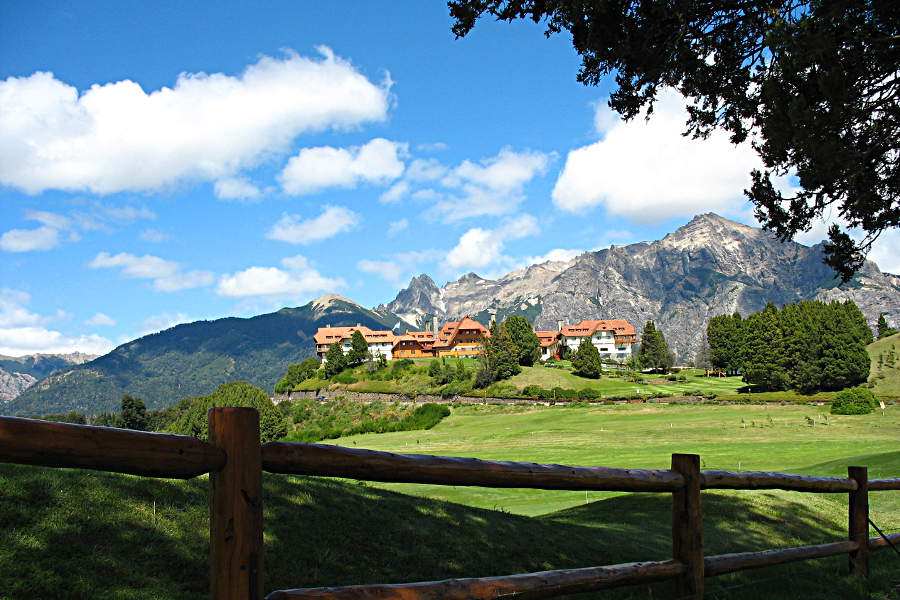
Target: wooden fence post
687,527
859,522
235,506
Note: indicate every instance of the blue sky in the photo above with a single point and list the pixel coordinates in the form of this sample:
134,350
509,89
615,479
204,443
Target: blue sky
168,162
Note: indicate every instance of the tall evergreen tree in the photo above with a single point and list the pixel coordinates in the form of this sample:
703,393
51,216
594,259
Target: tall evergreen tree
586,360
654,352
725,336
843,360
134,413
335,361
764,351
359,349
501,353
525,341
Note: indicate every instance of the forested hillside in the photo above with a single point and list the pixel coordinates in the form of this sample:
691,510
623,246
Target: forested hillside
193,359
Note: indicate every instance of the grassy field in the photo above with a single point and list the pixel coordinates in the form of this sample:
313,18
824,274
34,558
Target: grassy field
95,535
885,376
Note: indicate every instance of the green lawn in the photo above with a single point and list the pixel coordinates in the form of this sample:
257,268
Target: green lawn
79,534
885,377
732,437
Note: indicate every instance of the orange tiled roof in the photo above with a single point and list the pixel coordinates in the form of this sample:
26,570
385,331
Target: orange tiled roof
619,327
547,338
451,329
330,335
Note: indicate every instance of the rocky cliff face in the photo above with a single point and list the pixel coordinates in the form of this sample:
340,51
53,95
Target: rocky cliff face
711,266
17,373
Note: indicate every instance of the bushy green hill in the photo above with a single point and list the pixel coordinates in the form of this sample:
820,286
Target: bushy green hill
193,359
885,374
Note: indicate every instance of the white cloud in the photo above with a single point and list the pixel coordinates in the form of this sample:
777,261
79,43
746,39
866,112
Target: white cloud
115,137
395,193
167,275
495,186
296,279
479,248
161,322
154,235
27,240
886,252
397,226
400,265
315,169
386,269
295,230
425,169
647,171
555,255
101,320
432,147
236,188
12,309
22,331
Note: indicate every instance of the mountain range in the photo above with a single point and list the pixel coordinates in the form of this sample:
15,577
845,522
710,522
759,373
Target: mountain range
708,267
17,373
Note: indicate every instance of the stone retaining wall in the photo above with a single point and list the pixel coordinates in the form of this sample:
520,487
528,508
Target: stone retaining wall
418,399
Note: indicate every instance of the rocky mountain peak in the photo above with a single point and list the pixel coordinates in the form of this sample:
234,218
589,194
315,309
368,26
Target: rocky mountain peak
330,302
708,229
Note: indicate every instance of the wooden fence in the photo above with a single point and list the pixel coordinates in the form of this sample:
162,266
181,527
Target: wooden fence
235,461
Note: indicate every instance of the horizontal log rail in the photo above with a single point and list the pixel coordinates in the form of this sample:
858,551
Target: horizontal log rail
370,465
43,443
49,444
740,561
762,480
876,485
526,586
878,543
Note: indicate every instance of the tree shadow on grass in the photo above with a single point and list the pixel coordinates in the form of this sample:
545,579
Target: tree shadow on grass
83,534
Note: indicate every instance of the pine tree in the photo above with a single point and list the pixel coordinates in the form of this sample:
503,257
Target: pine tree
335,361
764,351
725,336
134,413
524,340
359,349
654,352
843,360
586,360
501,353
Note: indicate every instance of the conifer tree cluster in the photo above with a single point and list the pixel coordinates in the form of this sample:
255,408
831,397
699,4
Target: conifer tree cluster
503,351
808,346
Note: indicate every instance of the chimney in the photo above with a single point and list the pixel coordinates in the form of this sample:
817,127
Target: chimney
493,313
434,324
559,324
359,324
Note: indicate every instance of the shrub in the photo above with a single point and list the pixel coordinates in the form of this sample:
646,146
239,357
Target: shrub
532,391
588,394
853,401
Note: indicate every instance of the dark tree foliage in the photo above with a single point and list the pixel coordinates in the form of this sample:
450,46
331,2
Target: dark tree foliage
525,341
296,373
70,417
359,349
193,412
814,82
764,351
884,329
133,414
654,352
586,360
335,361
808,346
499,360
854,401
725,336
